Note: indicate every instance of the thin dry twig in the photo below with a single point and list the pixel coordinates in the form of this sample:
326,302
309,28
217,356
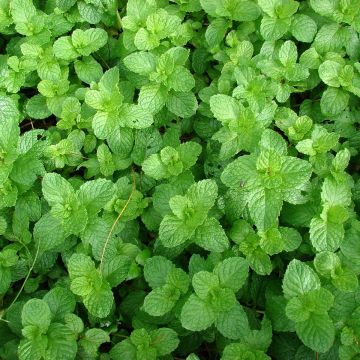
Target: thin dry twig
116,222
26,278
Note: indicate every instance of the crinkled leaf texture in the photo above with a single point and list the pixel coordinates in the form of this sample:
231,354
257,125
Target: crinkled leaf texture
179,179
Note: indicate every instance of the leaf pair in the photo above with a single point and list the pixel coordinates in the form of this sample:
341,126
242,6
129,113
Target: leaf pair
46,334
269,178
73,208
190,221
149,345
168,283
170,82
112,113
214,300
87,282
257,247
171,161
308,305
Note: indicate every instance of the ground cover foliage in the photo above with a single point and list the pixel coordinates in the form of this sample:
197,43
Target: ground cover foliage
178,179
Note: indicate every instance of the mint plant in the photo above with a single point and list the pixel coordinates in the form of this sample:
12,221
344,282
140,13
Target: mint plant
179,179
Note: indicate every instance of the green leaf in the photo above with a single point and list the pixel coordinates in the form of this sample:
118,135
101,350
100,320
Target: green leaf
164,340
192,357
181,80
9,137
271,141
141,62
56,189
138,137
196,314
272,242
29,349
291,237
329,72
49,233
106,162
273,29
89,12
295,172
222,299
49,69
65,4
325,8
317,301
3,226
152,97
241,171
242,352
135,117
61,342
80,265
9,114
333,101
279,9
117,269
233,324
95,194
61,302
182,104
23,13
204,283
288,53
244,10
154,167
211,236
100,301
275,309
326,235
321,141
264,206
303,28
299,279
88,70
74,323
317,332
236,10
88,41
325,262
156,270
232,272
211,7
179,279
189,153
335,193
161,300
37,313
124,349
93,339
345,280
64,49
224,108
173,231
5,279
216,31
36,107
165,164
190,212
203,194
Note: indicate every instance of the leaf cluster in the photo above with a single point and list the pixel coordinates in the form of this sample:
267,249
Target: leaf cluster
179,179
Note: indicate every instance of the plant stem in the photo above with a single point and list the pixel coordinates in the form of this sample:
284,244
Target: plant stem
116,222
26,278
